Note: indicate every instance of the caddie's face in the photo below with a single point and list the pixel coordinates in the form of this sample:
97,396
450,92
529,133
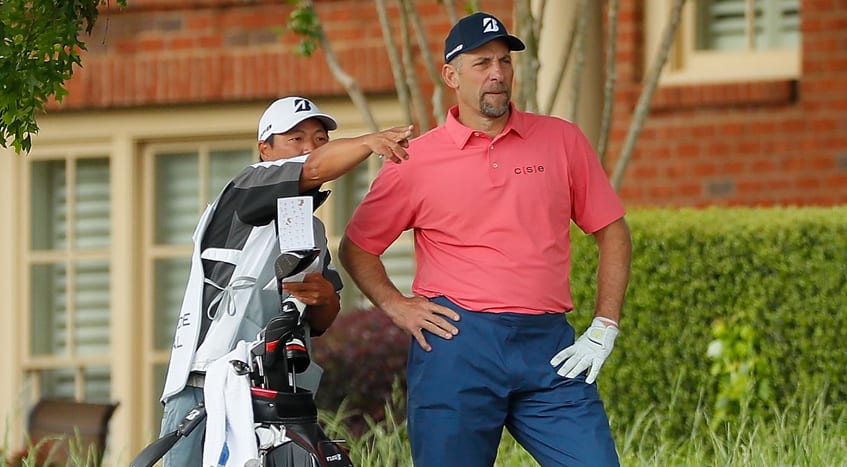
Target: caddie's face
482,78
302,139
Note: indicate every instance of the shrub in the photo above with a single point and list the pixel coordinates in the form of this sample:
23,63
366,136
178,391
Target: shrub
363,354
779,271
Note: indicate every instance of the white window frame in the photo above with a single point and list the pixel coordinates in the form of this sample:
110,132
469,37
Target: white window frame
32,365
687,65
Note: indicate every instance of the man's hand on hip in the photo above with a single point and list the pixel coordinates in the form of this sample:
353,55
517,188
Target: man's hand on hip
589,351
416,314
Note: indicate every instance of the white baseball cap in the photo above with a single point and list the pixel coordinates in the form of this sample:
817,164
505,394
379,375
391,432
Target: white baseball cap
284,114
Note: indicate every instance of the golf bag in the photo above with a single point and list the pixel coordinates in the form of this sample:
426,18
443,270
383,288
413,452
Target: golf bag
285,417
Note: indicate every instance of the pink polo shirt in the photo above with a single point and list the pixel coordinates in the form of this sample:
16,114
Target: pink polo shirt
491,217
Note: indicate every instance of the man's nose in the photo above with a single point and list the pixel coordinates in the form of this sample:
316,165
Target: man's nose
308,147
497,72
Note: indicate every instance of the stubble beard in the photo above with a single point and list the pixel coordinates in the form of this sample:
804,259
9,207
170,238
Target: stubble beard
494,110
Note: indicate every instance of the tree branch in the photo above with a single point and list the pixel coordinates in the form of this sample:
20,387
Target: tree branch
611,77
426,55
582,14
642,109
394,59
418,107
563,66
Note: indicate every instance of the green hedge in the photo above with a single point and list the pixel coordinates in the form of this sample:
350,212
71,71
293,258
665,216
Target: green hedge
781,272
770,282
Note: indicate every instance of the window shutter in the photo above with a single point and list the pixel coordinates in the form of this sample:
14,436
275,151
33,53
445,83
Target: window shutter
223,165
739,25
177,180
71,298
787,24
93,227
722,25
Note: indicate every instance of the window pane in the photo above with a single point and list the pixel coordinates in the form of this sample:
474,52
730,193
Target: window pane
723,25
399,260
48,202
92,204
170,277
58,383
786,14
49,309
348,192
91,307
177,193
223,166
98,385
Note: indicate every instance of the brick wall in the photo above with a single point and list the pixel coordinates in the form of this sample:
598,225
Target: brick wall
746,143
752,143
191,51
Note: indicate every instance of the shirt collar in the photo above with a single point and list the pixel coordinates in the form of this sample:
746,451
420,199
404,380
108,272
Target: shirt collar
461,134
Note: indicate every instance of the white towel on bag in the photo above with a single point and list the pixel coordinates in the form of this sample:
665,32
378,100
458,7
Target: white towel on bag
230,439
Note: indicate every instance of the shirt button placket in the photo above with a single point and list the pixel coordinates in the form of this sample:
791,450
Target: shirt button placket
496,173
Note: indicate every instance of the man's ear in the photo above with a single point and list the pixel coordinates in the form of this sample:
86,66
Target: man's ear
448,75
263,150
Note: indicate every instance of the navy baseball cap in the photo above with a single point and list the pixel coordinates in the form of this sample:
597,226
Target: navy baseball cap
474,31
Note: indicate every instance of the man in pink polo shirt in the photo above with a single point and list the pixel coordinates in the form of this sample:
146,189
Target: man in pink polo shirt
490,195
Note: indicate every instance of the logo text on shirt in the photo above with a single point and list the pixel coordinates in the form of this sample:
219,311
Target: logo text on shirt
529,169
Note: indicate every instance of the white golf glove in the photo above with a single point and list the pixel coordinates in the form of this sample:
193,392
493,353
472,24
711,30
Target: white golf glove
589,351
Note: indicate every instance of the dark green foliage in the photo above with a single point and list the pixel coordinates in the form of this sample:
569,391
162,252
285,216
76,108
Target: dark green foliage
304,22
362,354
780,271
39,49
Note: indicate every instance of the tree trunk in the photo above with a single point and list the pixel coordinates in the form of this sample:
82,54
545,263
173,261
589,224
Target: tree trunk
563,67
418,106
527,72
611,78
582,14
394,59
426,55
642,109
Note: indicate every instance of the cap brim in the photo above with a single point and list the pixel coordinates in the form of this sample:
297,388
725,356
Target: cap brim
511,41
328,122
514,43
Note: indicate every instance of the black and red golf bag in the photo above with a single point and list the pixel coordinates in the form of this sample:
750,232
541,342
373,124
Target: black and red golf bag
285,416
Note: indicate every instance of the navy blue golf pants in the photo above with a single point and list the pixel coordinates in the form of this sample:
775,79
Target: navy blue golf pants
496,372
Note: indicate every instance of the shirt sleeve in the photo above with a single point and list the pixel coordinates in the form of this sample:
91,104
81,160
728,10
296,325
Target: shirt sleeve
385,212
256,190
594,202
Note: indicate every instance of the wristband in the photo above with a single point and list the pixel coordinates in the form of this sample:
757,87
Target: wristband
606,321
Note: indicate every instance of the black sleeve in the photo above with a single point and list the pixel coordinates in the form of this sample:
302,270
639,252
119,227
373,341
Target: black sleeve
257,188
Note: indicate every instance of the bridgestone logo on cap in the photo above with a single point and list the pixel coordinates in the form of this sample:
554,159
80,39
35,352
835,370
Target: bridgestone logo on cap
489,25
302,105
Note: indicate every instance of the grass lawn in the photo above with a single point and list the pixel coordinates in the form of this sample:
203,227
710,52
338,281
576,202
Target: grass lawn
802,434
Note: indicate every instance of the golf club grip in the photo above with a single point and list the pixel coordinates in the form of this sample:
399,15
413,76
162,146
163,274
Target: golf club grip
155,451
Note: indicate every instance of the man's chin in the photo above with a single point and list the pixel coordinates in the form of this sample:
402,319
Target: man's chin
494,111
494,105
